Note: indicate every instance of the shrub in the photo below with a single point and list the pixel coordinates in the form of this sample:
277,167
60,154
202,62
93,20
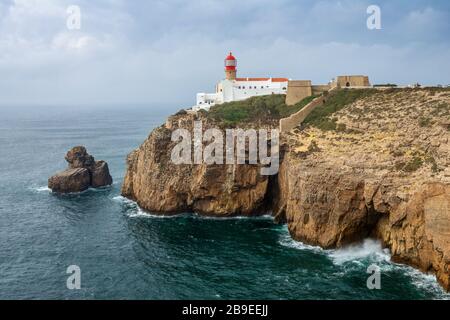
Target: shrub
341,127
431,160
319,117
413,165
260,108
424,122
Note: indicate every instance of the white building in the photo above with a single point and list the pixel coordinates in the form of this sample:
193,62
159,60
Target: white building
235,89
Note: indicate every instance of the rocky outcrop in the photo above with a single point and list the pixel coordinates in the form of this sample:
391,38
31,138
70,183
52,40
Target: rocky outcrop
160,186
383,172
70,180
83,172
331,207
375,177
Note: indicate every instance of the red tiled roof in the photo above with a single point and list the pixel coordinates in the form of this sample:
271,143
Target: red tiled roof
280,79
263,79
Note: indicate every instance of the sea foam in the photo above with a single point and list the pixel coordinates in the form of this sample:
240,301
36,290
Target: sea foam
368,249
134,211
41,189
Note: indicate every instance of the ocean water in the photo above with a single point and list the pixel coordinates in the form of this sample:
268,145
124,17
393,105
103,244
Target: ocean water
125,253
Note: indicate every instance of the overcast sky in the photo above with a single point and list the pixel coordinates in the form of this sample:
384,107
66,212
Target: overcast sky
149,52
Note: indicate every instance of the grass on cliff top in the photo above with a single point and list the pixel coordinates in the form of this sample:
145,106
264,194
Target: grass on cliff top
262,108
319,117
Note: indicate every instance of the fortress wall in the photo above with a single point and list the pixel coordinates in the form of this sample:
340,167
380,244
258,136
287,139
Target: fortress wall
353,81
319,89
294,120
289,123
298,90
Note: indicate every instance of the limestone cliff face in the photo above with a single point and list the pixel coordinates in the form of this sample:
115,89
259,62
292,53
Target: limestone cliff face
329,207
160,186
377,178
384,173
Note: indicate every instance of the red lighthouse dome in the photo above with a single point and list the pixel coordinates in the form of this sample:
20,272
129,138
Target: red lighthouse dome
230,62
230,67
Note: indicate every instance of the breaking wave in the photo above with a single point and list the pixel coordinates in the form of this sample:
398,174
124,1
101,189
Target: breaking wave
369,249
40,189
358,256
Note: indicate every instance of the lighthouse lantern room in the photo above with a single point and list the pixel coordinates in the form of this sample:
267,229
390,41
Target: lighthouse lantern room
230,67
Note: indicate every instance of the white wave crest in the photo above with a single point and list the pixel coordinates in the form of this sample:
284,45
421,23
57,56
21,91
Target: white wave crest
134,211
287,241
137,212
40,189
368,249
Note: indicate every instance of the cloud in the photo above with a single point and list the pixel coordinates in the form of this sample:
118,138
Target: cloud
166,51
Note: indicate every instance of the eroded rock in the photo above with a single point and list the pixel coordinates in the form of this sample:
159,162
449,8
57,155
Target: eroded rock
83,172
160,186
70,180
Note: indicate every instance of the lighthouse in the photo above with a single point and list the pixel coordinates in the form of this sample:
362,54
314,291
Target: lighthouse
236,89
230,67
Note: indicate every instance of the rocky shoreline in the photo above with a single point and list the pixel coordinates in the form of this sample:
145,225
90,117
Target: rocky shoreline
381,171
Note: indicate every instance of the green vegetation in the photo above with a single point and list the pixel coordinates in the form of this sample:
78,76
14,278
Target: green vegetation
262,108
417,161
425,122
441,109
320,116
341,127
413,165
432,161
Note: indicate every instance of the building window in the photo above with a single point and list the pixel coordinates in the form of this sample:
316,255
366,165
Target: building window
243,87
262,87
284,88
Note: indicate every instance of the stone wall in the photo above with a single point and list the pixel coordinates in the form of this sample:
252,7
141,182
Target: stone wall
297,91
294,120
289,123
351,81
320,88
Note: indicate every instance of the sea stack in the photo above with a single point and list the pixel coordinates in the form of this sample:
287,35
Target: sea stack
83,172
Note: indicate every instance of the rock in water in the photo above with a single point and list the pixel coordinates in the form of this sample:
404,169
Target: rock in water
100,175
78,157
83,172
70,180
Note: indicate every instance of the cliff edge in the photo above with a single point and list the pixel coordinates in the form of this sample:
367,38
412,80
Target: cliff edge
368,163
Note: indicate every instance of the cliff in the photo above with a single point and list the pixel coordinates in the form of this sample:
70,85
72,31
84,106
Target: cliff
368,163
161,186
378,167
